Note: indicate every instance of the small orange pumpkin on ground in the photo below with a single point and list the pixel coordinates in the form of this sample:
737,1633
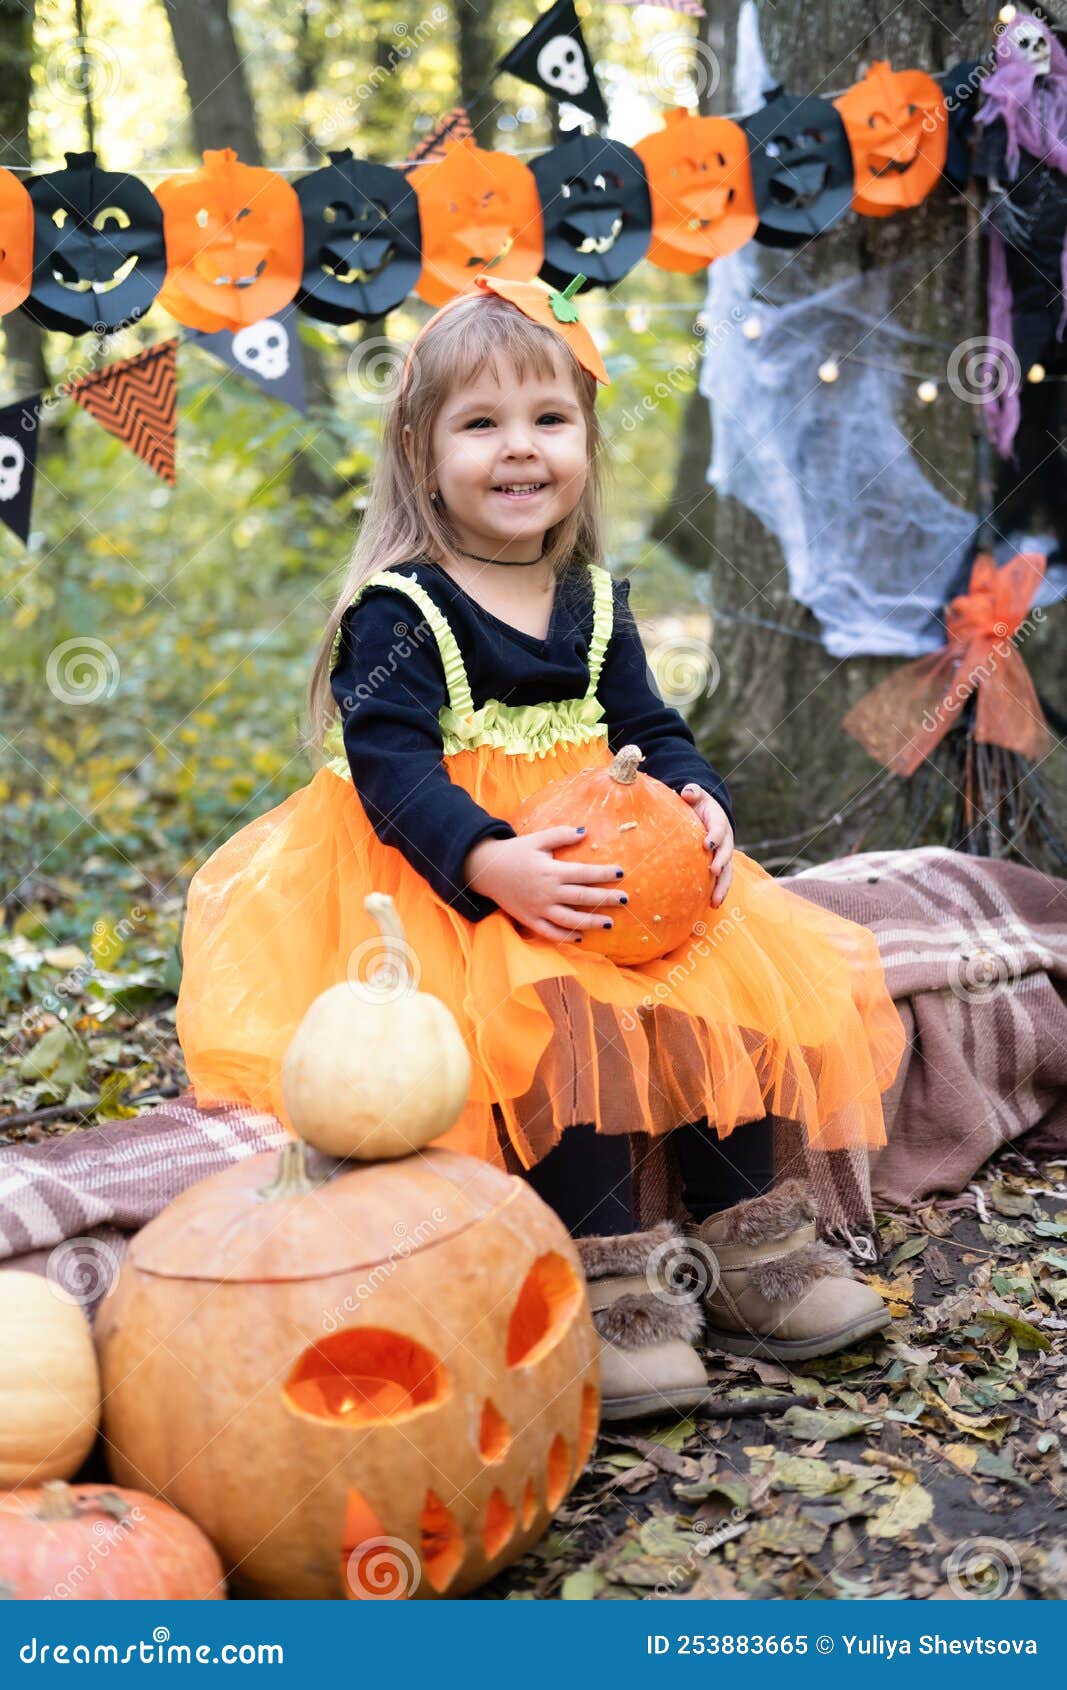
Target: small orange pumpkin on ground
651,832
97,1542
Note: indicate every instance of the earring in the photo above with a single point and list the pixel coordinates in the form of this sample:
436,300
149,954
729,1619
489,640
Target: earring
433,497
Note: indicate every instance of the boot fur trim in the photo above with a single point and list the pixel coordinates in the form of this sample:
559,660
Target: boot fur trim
628,1252
633,1320
785,1279
774,1215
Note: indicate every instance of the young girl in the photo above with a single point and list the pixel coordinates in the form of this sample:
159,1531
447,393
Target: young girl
479,650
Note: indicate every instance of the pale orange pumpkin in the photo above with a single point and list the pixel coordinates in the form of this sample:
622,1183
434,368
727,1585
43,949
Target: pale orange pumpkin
96,1543
380,1381
650,832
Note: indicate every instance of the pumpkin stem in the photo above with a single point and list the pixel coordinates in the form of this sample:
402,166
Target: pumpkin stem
396,965
291,1179
57,1503
624,768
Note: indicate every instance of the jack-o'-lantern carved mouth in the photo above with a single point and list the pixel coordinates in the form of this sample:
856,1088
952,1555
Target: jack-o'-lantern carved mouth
365,252
894,156
590,229
113,216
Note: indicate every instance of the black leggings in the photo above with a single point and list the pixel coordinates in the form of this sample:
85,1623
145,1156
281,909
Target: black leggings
586,1177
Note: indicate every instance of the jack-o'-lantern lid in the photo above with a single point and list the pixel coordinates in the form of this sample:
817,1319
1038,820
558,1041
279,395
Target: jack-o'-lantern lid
261,1221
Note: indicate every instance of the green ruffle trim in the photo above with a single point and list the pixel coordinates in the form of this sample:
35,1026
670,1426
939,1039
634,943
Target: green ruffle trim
524,730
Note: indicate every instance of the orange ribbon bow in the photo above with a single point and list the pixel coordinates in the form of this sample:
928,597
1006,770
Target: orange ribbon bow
900,721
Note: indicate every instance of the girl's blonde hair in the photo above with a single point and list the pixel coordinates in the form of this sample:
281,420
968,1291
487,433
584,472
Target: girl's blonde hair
401,522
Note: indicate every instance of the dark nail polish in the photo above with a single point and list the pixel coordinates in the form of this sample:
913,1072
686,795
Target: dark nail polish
607,924
577,938
623,899
619,872
581,830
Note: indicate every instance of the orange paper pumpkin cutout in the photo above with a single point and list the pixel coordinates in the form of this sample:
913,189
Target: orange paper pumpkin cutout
479,211
897,127
542,304
235,243
700,182
16,242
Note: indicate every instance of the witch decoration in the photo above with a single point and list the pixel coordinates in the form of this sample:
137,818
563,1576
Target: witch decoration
1022,156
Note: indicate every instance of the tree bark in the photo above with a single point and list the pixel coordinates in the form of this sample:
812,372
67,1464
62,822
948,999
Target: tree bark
26,371
773,724
222,114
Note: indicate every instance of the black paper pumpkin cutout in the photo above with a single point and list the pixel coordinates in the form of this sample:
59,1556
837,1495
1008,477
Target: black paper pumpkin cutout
801,167
362,240
99,257
596,209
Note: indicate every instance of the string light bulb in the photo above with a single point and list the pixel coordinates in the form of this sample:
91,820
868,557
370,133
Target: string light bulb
830,370
751,328
1007,14
927,392
1036,373
637,317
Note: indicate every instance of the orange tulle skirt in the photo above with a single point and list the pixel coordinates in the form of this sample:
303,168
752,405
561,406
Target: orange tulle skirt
776,1007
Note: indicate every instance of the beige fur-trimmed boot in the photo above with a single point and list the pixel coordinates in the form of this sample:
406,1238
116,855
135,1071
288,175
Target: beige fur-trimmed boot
774,1288
646,1323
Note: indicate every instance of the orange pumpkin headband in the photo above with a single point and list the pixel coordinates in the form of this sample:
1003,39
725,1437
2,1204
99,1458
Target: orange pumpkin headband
542,304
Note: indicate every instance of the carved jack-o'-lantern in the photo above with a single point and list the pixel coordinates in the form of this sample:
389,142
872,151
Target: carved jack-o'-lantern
897,127
362,241
374,1382
16,241
98,249
235,243
480,212
700,180
801,167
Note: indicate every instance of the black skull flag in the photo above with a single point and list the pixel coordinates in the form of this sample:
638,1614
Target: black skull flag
553,56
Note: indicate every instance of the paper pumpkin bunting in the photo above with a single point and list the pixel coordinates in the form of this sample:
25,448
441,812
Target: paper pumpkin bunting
596,210
235,243
480,212
897,128
700,181
98,251
362,240
16,242
801,167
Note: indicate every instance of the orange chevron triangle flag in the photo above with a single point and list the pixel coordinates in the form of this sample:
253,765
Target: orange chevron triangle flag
137,401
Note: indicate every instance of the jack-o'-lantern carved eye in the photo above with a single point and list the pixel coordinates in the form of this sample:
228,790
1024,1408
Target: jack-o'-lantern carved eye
364,1375
548,1301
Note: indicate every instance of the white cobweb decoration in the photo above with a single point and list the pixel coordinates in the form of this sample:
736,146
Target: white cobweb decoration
872,548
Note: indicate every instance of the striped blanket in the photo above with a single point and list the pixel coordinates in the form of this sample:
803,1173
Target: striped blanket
975,955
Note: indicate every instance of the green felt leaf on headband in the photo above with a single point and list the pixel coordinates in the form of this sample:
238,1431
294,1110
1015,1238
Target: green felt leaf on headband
563,307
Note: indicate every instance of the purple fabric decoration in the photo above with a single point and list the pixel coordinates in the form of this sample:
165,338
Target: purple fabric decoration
1038,124
1008,93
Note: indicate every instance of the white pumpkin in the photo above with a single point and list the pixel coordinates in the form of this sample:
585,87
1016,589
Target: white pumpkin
376,1073
49,1382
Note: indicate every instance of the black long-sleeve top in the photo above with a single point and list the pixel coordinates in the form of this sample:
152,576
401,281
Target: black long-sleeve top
389,706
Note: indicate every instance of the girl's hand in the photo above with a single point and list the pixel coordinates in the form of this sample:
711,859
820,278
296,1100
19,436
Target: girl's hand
718,836
554,899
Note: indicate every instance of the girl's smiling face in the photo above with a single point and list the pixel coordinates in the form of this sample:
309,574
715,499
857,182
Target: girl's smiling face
497,435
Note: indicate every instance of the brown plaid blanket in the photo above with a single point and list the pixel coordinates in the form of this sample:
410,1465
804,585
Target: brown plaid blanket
975,954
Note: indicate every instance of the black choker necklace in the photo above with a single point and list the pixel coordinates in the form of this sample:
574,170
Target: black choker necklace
519,562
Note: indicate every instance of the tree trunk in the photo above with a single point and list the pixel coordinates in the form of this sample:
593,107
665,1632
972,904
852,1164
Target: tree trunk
773,724
25,371
477,37
222,114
